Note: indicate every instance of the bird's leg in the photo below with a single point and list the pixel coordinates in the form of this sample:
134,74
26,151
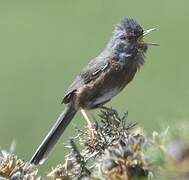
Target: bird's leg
91,127
86,117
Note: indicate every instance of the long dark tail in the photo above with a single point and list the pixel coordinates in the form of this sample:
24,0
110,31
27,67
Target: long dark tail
54,135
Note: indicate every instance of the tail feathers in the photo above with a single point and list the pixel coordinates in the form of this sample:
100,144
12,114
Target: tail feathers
54,135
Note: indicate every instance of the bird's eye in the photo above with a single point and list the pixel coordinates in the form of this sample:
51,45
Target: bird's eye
123,37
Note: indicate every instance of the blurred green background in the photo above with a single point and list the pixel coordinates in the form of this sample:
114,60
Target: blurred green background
44,45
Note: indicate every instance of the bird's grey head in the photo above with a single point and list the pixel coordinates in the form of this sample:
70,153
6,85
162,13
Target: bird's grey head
127,41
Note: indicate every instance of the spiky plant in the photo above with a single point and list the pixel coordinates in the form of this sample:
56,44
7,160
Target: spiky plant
12,168
109,150
113,149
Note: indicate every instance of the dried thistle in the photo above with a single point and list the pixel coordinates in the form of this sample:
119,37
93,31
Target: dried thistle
74,167
112,149
111,134
59,173
14,169
125,160
100,136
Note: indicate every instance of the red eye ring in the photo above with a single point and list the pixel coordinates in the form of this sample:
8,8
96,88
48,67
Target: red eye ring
130,37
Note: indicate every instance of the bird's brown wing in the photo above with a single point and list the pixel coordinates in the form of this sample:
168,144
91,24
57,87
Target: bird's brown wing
88,74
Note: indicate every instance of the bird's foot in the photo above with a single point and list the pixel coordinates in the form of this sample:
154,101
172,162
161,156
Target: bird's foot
105,108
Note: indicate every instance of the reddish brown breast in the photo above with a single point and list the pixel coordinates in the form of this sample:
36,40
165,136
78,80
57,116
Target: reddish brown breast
105,87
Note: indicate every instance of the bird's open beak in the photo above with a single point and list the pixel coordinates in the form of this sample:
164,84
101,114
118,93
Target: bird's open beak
141,38
148,32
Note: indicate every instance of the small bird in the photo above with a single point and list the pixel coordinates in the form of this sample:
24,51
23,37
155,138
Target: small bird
102,79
